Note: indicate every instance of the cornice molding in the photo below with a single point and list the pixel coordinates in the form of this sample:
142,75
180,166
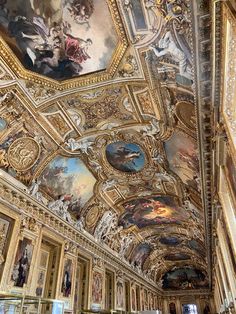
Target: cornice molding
202,58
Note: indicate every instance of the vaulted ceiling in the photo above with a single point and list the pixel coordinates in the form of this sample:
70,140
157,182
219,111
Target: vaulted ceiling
99,109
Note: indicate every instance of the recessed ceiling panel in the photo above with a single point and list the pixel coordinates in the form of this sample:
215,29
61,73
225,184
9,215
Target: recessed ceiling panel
151,211
60,39
69,177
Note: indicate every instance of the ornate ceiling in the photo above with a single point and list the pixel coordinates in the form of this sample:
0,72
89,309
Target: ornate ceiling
99,119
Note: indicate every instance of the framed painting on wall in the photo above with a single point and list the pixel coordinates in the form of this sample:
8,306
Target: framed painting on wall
6,227
133,299
22,262
230,171
97,289
120,295
67,278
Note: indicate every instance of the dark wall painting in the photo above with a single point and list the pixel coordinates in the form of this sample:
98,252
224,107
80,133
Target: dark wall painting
22,262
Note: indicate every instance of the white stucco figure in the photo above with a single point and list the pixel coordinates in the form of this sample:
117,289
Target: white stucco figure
109,184
158,158
192,209
79,145
125,242
80,223
33,190
105,225
4,97
167,46
95,165
151,130
76,118
165,176
128,105
56,205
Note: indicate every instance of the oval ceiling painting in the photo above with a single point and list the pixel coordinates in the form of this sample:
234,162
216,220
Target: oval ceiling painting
170,241
126,157
59,39
176,257
152,211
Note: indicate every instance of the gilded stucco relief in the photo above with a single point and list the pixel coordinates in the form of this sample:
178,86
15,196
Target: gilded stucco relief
113,148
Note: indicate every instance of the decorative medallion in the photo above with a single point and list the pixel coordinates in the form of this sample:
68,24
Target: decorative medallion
185,112
92,215
23,153
126,157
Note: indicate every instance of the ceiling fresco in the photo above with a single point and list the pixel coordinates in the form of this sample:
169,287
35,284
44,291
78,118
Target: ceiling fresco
71,175
126,157
150,211
60,39
98,121
184,278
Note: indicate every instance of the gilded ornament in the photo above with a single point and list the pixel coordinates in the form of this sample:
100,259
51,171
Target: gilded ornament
91,217
23,153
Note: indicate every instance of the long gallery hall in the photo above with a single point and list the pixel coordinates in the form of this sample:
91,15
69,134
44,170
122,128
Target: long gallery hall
118,156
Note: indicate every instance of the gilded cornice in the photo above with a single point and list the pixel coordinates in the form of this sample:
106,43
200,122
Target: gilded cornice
203,101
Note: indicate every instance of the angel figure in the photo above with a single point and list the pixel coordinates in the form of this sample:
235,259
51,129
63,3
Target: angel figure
167,46
108,184
33,190
80,223
79,145
151,130
76,49
81,10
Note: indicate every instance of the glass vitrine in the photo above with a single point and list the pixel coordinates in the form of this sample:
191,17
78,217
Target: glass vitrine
23,304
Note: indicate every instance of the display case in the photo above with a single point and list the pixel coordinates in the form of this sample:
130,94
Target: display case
24,304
